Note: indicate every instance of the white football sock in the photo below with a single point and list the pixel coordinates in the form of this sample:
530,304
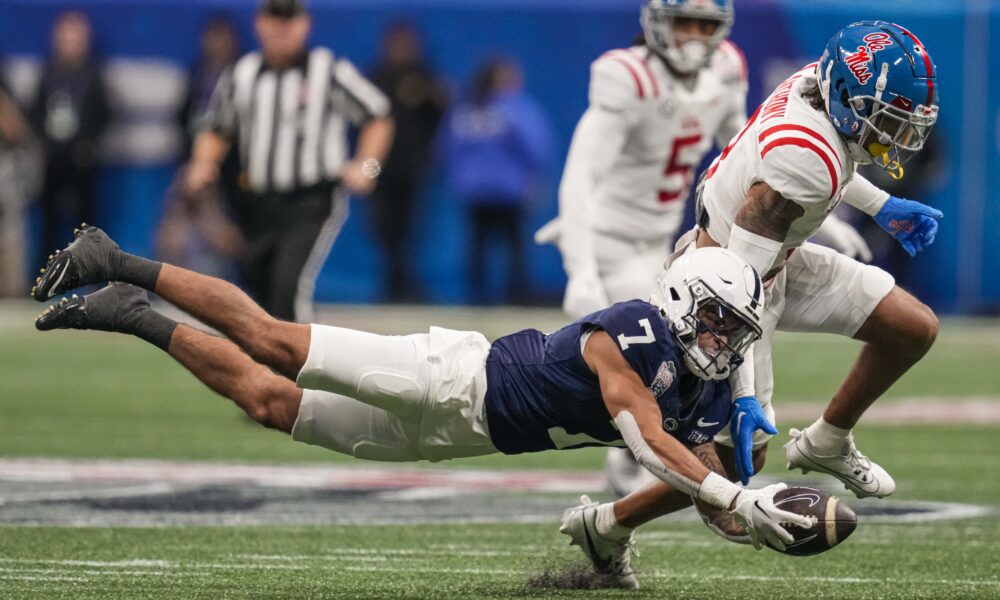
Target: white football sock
826,439
607,525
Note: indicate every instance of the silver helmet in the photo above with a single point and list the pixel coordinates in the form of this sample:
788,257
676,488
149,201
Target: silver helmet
657,21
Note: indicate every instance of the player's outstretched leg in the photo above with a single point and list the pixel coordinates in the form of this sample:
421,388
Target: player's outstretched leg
93,257
270,399
897,334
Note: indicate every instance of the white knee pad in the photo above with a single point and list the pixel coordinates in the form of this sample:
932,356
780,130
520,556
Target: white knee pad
389,372
400,393
350,427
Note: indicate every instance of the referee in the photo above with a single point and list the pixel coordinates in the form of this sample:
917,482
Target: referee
287,109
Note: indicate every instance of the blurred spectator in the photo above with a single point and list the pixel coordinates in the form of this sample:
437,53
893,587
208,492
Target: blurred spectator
418,102
70,113
219,50
496,148
196,231
287,109
20,172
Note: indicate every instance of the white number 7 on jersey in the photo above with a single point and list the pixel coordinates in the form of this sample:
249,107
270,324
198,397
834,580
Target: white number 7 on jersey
625,340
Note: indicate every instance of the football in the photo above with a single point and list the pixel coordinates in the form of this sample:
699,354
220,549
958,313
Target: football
834,521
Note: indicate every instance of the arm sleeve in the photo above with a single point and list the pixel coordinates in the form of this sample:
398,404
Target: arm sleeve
220,116
864,196
357,97
714,489
730,64
597,141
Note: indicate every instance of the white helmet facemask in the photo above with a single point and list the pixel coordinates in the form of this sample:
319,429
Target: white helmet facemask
711,299
657,22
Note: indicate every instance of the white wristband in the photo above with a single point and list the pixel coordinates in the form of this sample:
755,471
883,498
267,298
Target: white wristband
718,491
864,195
759,251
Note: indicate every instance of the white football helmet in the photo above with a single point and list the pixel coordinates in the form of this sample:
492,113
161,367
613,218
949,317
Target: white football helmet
657,21
712,300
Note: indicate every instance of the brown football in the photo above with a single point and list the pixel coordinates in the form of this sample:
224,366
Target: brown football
834,520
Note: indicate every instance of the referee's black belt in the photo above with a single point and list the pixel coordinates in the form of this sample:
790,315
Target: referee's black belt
323,187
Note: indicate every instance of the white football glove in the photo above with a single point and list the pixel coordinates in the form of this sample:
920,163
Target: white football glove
584,293
835,233
756,510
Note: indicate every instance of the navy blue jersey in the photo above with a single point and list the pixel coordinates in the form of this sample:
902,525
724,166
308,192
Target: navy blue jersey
540,394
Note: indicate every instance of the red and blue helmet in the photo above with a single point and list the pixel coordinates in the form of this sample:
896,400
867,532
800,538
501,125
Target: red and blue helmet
657,22
881,92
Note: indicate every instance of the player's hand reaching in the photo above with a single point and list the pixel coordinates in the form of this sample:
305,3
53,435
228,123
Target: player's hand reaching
756,511
584,293
913,224
745,418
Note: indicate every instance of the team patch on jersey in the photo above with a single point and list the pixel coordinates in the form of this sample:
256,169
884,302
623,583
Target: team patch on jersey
698,437
665,376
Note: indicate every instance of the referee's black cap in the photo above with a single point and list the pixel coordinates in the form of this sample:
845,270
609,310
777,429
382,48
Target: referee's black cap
285,9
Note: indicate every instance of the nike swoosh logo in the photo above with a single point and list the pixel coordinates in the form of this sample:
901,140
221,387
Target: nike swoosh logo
739,421
602,564
52,290
802,541
701,423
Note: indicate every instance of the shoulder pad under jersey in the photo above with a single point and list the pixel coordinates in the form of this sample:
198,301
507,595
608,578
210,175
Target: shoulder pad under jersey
620,80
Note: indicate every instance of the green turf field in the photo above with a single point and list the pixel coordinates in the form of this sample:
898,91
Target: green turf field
76,395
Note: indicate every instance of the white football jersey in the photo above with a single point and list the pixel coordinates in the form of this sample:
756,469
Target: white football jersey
670,129
793,148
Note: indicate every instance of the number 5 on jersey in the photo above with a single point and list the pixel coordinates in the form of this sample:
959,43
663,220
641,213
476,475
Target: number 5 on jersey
626,340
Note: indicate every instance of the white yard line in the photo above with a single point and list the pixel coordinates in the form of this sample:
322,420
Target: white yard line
184,569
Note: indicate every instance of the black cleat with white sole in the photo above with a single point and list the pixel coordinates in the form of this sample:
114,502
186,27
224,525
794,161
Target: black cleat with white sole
117,307
90,258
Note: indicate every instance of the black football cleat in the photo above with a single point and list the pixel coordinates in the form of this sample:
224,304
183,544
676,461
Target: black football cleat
113,308
90,258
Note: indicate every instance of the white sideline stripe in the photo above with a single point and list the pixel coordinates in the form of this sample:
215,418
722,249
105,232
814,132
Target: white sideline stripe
139,562
695,576
929,410
439,570
40,578
864,580
308,476
77,494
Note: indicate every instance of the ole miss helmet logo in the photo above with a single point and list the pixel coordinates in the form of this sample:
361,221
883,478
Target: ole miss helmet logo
859,61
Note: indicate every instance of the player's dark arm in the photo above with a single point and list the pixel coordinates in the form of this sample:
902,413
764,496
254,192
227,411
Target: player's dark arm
761,226
639,420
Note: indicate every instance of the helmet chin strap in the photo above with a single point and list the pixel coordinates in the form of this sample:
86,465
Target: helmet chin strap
881,148
892,167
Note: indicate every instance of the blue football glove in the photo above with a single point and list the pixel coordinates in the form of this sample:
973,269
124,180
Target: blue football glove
747,416
913,224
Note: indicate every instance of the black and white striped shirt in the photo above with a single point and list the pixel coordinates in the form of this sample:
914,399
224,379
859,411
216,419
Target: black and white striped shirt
291,124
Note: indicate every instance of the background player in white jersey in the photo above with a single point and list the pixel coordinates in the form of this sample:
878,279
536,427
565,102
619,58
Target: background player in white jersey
872,97
656,109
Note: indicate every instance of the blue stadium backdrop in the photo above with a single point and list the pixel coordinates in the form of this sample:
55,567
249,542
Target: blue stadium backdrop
154,41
